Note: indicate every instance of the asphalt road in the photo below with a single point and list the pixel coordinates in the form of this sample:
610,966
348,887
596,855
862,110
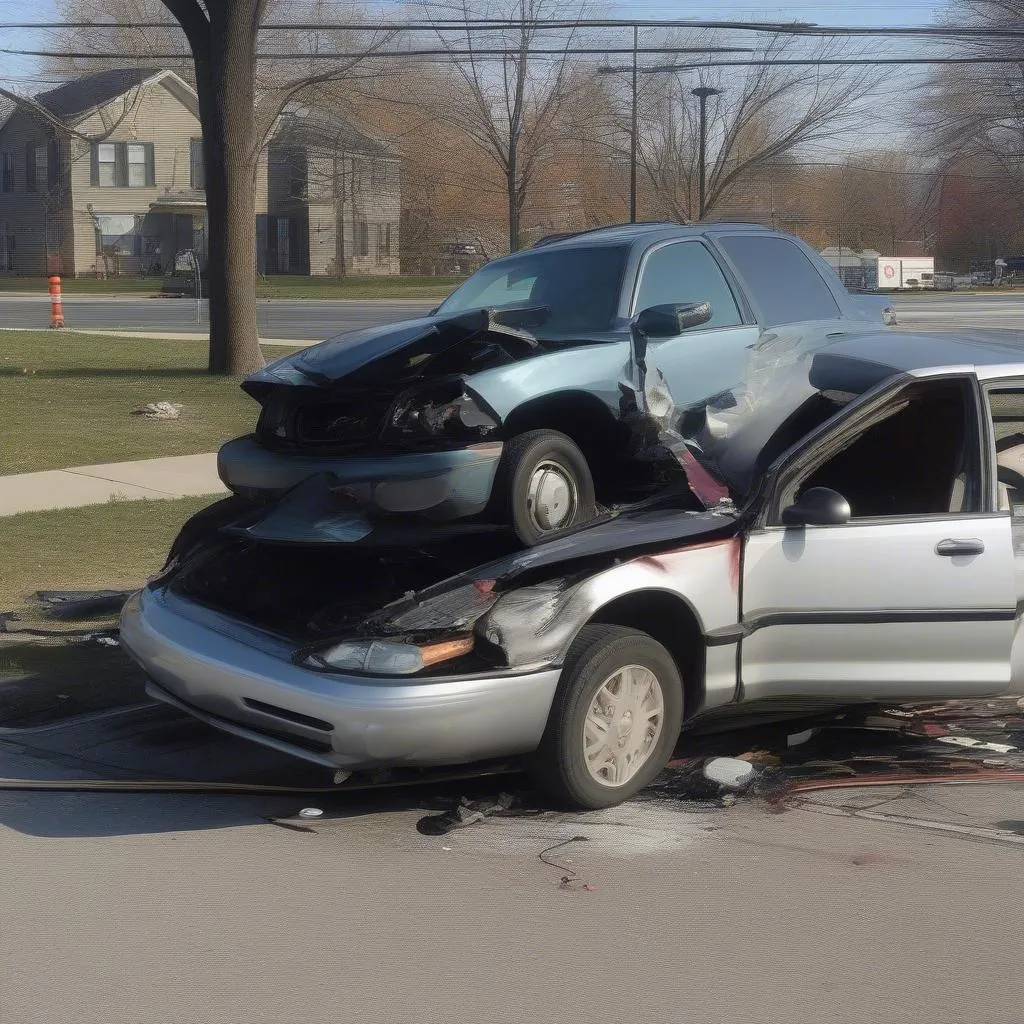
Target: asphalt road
282,319
314,320
162,909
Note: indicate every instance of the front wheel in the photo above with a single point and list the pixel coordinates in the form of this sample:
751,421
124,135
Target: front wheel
545,485
615,719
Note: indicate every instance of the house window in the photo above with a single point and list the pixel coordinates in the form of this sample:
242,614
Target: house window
283,245
136,165
107,161
42,163
383,244
6,249
6,171
119,233
37,168
197,169
123,165
362,238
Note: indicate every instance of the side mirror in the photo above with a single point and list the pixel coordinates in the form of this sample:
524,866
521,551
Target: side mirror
672,319
818,506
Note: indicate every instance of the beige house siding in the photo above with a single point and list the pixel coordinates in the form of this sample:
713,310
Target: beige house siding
308,219
158,117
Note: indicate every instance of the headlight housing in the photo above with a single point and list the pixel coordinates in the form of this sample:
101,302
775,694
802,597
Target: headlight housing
442,411
389,657
414,634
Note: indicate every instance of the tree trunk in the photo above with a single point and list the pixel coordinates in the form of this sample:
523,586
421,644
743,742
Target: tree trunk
225,80
511,173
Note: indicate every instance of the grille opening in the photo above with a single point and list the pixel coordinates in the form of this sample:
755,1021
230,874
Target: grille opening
288,716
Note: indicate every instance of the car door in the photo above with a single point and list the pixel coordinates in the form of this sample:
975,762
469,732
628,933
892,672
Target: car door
1004,400
914,596
703,361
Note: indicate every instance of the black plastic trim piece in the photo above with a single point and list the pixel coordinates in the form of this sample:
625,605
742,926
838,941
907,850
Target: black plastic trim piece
842,617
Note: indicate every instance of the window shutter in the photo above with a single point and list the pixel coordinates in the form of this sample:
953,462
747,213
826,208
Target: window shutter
94,164
150,164
30,168
52,169
121,165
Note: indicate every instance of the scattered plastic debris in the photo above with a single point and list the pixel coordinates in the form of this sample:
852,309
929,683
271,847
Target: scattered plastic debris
467,812
311,812
730,772
796,739
970,741
159,410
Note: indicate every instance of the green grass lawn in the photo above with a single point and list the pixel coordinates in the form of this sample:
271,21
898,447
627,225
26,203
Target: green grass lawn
66,400
284,287
116,546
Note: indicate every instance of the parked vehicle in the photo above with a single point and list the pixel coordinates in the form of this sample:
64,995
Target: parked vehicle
906,273
504,404
848,528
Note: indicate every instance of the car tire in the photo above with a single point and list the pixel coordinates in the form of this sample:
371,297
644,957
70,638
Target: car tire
544,485
590,757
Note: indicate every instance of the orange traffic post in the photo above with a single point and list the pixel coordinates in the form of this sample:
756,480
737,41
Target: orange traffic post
56,306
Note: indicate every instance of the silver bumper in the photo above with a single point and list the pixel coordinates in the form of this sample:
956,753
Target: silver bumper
241,680
440,485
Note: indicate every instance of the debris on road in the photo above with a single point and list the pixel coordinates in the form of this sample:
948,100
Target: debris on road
467,812
571,880
730,772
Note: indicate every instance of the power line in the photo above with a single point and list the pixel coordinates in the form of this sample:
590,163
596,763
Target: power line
560,51
501,24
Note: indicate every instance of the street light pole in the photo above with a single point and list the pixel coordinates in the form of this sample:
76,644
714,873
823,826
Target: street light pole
634,133
702,93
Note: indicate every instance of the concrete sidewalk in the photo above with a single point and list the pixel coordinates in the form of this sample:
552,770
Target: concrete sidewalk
182,476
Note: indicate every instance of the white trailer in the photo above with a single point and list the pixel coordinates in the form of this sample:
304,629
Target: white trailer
899,273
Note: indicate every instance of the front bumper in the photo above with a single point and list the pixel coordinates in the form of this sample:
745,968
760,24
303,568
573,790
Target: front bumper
242,680
441,485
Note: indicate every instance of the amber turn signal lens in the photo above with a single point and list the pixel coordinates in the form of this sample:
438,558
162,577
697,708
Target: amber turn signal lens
434,654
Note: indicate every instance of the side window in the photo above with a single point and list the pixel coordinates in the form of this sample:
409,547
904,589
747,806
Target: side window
687,272
922,459
1006,410
784,284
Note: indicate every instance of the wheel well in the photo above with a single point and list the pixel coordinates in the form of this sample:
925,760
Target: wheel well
580,416
673,623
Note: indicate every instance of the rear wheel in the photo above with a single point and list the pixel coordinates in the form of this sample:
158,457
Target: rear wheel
545,485
615,719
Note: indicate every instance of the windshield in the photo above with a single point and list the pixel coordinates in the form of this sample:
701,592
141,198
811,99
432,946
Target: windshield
580,287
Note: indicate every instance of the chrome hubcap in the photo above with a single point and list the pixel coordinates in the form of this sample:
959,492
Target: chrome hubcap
623,725
552,497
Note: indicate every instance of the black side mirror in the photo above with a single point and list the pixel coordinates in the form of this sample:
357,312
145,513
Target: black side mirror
818,506
672,319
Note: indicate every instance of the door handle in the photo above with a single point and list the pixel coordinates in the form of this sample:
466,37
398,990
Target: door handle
951,547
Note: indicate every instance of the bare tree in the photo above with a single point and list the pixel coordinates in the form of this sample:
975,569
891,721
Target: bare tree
515,107
241,96
755,115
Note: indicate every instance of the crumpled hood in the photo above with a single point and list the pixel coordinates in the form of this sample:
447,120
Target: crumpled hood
412,349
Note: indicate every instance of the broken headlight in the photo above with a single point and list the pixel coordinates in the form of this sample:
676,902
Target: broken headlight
389,657
439,412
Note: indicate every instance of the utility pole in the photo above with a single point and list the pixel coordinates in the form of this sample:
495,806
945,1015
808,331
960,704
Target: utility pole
634,133
702,93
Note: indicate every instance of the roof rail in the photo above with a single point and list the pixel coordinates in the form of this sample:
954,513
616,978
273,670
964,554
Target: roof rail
549,239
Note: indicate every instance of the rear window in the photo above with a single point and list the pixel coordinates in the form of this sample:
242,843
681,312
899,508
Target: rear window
783,283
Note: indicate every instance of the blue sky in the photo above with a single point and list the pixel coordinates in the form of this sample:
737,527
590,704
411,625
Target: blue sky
24,72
